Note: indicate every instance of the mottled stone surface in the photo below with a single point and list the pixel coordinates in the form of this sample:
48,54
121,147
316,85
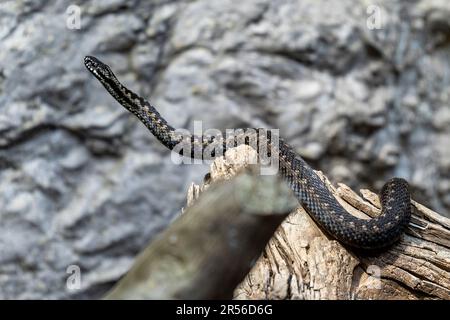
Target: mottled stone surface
83,183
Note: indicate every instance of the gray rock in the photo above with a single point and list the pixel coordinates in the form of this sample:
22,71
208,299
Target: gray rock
83,183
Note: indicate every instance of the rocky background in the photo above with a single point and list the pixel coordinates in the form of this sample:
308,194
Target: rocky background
83,183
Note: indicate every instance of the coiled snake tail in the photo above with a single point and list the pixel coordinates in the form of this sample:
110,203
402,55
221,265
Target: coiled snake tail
310,190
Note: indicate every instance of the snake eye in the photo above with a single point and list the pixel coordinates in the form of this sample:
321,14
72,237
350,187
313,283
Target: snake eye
106,71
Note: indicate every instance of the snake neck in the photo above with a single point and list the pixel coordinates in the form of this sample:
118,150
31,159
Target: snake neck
181,141
145,112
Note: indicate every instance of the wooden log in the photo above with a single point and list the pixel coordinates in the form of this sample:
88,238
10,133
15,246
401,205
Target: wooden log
301,262
208,250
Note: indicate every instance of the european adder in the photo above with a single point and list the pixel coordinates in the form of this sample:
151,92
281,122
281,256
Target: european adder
310,190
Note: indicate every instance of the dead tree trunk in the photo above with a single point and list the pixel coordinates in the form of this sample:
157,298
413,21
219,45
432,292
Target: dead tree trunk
207,251
301,262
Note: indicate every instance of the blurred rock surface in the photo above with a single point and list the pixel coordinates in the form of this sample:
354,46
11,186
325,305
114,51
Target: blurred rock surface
83,183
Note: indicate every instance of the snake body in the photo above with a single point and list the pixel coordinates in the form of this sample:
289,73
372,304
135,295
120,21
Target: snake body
312,193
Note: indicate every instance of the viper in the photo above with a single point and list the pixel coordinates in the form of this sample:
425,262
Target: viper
312,193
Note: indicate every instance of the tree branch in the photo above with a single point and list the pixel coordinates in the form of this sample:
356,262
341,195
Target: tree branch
210,248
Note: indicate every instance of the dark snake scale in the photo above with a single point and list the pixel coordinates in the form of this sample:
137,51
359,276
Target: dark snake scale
312,193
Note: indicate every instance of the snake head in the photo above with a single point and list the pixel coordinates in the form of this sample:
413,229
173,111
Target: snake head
100,70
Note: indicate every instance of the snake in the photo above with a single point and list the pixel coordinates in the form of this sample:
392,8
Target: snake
311,191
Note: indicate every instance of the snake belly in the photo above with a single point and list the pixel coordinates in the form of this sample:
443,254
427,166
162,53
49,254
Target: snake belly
311,191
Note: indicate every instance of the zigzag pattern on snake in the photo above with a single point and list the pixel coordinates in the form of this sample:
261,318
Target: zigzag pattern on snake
310,190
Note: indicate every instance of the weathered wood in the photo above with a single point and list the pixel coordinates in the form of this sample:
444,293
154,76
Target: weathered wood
301,262
209,249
